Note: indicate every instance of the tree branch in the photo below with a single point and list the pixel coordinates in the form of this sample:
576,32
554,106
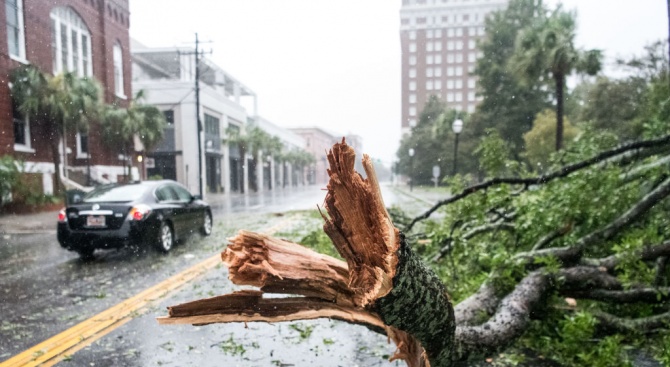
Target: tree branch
574,252
562,172
614,324
645,253
646,295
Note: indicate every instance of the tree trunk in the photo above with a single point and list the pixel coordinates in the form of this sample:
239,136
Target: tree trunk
383,285
560,84
56,159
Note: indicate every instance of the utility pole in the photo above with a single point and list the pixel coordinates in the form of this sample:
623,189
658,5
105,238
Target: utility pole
197,113
197,55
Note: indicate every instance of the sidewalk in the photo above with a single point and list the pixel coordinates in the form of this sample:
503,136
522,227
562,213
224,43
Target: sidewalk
43,222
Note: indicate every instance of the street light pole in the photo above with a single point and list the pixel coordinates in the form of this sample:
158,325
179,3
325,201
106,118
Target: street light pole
457,127
411,168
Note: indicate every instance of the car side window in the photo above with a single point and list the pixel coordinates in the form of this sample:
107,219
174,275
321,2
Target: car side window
183,194
165,193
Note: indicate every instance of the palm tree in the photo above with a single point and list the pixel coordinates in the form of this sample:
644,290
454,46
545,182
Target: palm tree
57,103
548,47
120,126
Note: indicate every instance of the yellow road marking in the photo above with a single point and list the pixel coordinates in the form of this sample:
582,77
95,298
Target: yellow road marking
88,331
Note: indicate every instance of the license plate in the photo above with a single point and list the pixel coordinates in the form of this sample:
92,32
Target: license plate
95,221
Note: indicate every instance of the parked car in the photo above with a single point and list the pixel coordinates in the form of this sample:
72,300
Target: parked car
154,213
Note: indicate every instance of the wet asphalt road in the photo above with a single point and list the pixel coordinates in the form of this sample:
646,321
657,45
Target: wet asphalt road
46,290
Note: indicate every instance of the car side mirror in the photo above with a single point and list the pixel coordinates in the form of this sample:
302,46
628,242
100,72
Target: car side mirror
196,197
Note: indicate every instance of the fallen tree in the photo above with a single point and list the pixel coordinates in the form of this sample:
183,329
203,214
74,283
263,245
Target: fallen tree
514,258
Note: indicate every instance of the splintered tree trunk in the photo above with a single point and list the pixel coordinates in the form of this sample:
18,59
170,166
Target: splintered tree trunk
383,284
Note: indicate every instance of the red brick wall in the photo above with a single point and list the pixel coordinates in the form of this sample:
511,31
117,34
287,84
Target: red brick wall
107,22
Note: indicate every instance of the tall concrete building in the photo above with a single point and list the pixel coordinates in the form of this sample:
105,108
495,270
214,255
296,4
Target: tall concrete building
438,40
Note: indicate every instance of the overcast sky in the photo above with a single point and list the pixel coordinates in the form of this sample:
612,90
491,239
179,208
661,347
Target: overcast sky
336,63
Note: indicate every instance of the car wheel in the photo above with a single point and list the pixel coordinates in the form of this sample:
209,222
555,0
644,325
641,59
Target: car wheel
165,239
206,229
86,254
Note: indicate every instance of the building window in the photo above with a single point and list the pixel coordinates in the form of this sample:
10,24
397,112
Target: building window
438,72
450,32
429,84
70,43
429,46
471,83
212,125
450,58
118,71
459,97
480,31
459,32
412,85
459,45
450,45
412,111
450,71
412,73
15,32
471,108
438,33
472,31
438,46
429,59
430,33
450,97
438,85
459,70
412,60
82,145
471,96
169,118
450,84
21,130
438,59
471,44
412,35
459,84
459,57
429,72
412,98
472,57
412,47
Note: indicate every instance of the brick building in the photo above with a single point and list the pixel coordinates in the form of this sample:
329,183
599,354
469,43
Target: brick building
89,37
438,40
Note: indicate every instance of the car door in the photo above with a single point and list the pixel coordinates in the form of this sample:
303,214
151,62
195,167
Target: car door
171,208
192,217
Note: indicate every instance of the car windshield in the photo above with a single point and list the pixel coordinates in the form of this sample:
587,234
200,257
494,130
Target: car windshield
115,194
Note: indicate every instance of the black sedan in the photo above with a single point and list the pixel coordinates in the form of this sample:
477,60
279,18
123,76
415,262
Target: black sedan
154,213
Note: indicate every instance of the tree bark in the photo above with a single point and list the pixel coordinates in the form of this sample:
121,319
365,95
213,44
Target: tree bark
559,78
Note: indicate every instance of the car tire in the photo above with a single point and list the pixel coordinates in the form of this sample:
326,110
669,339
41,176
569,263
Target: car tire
207,224
165,239
86,254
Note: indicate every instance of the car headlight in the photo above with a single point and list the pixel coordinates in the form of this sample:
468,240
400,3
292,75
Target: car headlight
139,212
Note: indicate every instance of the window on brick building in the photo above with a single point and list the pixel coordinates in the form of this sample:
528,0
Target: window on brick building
118,70
15,30
21,130
82,145
70,42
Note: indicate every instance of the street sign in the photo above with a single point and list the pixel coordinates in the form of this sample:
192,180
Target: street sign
150,162
436,171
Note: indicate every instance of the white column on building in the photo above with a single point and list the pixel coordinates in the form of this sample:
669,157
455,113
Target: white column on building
273,183
281,175
245,173
259,171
